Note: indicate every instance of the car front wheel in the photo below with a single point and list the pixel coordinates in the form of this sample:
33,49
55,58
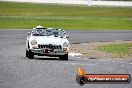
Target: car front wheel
29,54
26,53
64,57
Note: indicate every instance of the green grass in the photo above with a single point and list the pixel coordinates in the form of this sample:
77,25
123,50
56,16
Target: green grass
28,15
120,50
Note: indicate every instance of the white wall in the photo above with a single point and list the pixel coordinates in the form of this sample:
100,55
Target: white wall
86,2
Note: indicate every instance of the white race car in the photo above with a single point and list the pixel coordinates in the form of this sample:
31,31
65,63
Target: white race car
47,42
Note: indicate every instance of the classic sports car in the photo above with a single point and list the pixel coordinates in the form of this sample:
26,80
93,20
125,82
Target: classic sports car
47,42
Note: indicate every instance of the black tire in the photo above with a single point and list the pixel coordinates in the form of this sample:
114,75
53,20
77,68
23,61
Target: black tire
64,57
30,54
81,80
26,53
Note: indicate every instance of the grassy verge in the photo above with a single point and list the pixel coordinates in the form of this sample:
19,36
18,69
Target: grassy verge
28,15
120,50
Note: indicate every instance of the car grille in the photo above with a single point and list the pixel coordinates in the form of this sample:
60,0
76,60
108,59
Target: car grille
50,46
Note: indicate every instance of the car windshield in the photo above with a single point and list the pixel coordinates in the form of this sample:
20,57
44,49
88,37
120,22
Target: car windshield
48,32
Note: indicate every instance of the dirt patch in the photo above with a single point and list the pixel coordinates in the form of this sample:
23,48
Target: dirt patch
90,51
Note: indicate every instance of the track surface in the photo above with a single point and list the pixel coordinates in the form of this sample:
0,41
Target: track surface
16,71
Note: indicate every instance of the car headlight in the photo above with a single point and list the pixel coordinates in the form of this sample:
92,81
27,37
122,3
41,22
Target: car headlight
34,42
65,44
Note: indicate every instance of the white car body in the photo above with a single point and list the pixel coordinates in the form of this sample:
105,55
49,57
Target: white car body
50,45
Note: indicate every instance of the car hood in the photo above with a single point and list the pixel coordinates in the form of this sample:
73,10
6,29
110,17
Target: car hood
50,40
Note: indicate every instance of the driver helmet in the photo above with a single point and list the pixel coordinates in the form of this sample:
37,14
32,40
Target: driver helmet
38,30
39,27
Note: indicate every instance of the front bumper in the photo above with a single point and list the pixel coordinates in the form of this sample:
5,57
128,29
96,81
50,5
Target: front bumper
54,53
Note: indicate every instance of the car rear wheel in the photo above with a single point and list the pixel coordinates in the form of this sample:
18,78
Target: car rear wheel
64,57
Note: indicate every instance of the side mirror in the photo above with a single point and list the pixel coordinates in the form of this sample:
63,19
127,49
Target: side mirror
29,33
67,36
34,28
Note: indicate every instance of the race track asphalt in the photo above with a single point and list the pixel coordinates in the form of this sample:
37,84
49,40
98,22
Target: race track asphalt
17,71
